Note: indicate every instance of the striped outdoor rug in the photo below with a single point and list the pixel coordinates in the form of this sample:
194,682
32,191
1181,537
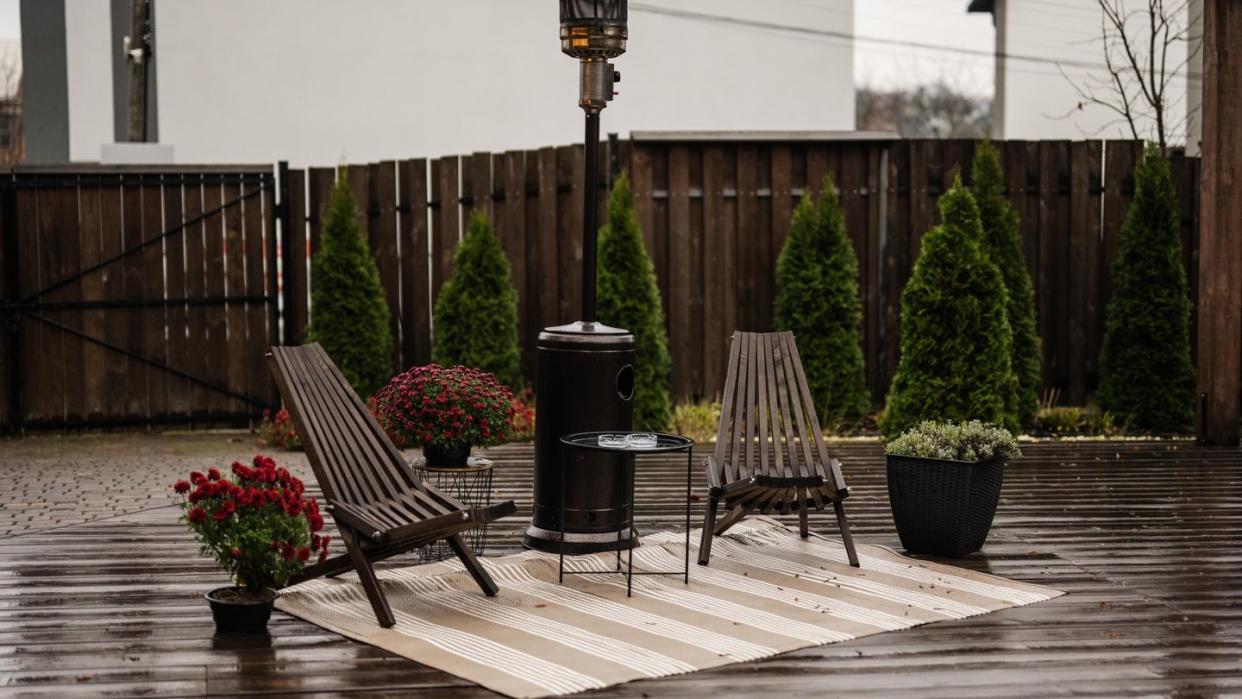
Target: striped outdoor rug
767,591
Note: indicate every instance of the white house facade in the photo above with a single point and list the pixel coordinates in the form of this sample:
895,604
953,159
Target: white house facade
318,82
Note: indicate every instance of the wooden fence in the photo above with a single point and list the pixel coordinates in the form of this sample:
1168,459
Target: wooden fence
714,217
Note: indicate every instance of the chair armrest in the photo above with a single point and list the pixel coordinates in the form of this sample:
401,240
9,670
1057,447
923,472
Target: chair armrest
713,472
356,520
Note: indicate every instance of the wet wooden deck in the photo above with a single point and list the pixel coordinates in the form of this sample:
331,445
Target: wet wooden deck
1143,535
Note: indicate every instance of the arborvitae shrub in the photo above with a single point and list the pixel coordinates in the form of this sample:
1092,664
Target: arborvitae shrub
348,314
629,298
1146,377
818,300
956,345
1002,242
476,311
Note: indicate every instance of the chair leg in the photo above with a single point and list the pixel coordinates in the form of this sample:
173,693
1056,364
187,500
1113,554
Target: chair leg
845,533
735,515
803,528
472,565
366,575
705,546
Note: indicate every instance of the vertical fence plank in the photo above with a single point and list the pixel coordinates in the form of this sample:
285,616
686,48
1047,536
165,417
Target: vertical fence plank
661,239
751,246
534,264
570,171
217,283
715,264
681,321
895,250
415,274
151,260
235,280
446,221
781,197
95,358
67,246
479,188
549,252
1083,252
254,229
1052,283
382,233
114,369
196,289
176,316
510,177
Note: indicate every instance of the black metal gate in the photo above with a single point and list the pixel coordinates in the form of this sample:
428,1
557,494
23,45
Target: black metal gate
137,296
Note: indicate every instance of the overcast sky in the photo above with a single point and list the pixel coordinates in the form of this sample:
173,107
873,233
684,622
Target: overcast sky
940,22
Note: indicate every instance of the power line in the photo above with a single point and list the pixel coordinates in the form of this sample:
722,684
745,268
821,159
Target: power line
850,36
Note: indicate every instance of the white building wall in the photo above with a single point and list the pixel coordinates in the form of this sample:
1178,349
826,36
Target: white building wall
88,64
323,81
1041,103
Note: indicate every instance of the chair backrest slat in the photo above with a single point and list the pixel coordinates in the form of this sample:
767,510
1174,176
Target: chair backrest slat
726,412
767,407
752,402
796,398
817,435
352,457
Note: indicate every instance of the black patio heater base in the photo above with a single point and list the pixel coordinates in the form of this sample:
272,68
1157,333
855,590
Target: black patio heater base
584,382
585,371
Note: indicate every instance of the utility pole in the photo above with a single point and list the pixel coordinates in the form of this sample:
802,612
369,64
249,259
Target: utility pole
1220,226
137,55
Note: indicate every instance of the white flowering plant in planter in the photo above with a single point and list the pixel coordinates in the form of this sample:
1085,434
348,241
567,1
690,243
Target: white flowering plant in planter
971,440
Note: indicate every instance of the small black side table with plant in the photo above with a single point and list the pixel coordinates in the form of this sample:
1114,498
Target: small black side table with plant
944,482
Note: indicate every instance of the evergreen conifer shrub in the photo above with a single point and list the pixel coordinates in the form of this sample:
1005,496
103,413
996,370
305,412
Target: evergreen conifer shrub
956,345
629,298
1147,380
476,311
349,314
818,300
1002,242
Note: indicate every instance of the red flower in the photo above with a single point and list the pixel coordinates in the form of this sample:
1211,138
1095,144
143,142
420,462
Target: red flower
182,487
197,478
196,515
323,555
316,521
304,553
213,474
235,552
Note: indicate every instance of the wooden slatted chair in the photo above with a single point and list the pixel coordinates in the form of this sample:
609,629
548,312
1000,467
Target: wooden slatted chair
770,452
380,506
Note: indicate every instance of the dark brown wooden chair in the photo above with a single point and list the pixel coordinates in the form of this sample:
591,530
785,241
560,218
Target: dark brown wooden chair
380,507
770,452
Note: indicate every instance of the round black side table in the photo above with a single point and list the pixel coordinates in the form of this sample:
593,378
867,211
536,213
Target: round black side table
472,485
665,443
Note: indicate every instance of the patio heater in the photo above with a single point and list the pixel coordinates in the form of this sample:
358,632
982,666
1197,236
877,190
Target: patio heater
584,370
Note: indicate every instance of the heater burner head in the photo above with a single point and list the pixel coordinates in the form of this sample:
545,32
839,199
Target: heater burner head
593,28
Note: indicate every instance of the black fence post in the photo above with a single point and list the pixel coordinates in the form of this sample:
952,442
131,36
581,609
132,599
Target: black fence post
10,319
288,271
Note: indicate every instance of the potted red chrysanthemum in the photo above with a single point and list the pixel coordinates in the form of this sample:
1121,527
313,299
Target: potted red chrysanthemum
446,411
260,527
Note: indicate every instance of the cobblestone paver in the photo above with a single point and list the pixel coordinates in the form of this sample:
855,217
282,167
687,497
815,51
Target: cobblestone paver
50,481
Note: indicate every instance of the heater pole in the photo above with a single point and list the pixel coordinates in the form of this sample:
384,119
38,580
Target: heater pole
590,211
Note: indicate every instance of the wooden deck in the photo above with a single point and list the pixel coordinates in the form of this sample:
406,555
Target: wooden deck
1143,535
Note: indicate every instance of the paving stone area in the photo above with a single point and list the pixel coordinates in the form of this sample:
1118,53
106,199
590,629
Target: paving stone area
49,481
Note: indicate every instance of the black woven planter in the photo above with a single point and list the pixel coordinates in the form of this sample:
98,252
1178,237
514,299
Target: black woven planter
943,507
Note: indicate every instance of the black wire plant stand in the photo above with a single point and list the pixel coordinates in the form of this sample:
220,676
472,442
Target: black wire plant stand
472,486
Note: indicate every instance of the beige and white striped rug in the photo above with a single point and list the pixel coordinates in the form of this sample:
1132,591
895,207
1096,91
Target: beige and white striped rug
767,591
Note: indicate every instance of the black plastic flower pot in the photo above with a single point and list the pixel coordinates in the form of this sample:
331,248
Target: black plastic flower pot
944,507
237,611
